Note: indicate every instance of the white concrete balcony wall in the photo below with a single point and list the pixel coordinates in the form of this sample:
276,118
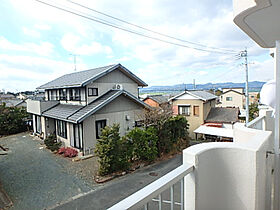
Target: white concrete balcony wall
230,175
37,107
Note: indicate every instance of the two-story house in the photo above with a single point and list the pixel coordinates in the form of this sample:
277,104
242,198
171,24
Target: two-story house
232,98
78,105
194,105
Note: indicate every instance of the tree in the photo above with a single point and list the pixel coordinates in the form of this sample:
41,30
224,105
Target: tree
12,119
253,111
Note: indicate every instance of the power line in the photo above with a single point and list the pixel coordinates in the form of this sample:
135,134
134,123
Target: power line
130,31
138,26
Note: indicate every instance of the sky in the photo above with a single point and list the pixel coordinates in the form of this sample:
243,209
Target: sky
36,42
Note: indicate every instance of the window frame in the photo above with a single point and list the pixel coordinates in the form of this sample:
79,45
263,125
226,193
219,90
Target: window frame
194,113
184,106
229,97
78,142
96,89
73,96
96,127
61,128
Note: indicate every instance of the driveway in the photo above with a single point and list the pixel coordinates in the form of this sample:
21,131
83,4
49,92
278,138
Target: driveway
34,178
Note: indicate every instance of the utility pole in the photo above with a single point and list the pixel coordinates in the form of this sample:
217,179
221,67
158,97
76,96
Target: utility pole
74,56
244,54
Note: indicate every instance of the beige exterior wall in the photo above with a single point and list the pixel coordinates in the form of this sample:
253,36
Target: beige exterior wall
238,100
195,121
115,112
65,142
107,82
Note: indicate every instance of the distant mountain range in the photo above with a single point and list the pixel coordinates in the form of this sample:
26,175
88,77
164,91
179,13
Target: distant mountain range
253,86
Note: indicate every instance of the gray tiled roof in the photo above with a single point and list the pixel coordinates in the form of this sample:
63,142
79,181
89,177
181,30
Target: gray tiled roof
76,114
93,105
81,78
159,98
203,94
223,115
13,102
62,111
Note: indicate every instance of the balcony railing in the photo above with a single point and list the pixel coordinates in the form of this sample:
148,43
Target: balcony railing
216,175
154,192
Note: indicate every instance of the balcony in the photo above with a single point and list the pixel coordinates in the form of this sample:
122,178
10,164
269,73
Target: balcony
218,175
37,106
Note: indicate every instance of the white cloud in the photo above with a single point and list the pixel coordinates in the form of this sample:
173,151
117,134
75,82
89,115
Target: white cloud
44,48
31,32
43,27
73,44
29,72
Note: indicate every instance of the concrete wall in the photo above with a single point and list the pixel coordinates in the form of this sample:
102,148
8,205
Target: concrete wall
107,82
115,112
230,175
237,100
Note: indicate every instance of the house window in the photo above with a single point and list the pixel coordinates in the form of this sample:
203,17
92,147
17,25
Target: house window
38,124
77,140
139,123
196,110
62,94
75,94
228,98
61,128
93,92
99,125
184,110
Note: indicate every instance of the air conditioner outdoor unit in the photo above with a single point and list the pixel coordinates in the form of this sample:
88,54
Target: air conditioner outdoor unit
118,87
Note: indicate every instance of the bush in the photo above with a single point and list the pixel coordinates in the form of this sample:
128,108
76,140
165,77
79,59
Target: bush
12,119
174,134
61,150
143,143
51,143
111,151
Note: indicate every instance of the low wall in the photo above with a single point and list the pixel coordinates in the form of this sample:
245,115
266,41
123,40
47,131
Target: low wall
229,175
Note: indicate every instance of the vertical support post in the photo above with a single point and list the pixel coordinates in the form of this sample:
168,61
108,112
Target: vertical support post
277,124
172,197
182,194
247,87
159,201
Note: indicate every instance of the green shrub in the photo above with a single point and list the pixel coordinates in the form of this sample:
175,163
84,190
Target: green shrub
174,134
111,151
12,119
143,143
51,143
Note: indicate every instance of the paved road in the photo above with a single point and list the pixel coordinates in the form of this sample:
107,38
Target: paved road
115,191
35,178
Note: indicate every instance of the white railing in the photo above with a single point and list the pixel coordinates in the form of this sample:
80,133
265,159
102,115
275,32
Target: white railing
153,191
257,123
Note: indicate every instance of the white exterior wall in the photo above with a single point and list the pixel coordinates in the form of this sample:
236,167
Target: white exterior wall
230,175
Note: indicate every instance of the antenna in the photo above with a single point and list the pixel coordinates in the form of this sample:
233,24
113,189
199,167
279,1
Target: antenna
74,56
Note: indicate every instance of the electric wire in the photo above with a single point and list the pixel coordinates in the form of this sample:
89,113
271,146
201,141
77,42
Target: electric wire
78,13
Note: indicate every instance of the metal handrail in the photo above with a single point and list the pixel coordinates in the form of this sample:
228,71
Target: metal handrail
146,194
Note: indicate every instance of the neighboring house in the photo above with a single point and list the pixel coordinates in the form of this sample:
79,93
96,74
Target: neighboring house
253,97
13,102
156,100
219,123
78,105
232,98
194,105
6,96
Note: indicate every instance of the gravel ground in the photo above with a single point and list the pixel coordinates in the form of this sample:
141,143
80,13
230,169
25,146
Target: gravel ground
35,178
